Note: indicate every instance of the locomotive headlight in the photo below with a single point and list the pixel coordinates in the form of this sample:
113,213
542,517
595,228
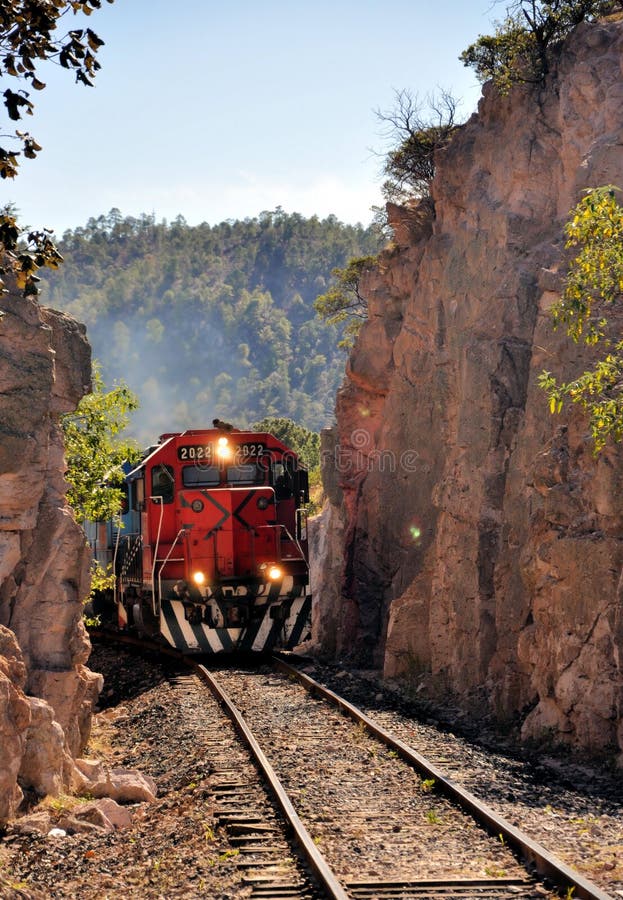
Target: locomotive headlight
197,505
262,503
223,450
199,578
274,573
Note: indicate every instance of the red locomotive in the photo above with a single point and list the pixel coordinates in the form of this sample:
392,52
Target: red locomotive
213,553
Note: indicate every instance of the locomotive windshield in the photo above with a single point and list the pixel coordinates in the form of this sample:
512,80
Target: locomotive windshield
200,476
247,473
210,476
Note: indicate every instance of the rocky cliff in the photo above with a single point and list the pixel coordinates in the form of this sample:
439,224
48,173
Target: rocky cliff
46,692
472,541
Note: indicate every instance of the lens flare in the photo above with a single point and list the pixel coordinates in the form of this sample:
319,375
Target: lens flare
223,450
199,578
274,573
415,532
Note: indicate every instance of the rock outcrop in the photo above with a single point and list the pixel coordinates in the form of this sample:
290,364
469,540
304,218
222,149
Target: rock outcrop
46,692
479,538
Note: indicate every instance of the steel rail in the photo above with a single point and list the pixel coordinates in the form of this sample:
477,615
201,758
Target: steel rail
544,862
317,862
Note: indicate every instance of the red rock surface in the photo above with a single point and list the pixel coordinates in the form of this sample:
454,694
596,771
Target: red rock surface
472,542
46,692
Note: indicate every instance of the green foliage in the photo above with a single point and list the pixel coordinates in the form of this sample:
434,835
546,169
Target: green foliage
305,443
95,451
518,51
210,321
344,302
594,283
102,579
22,253
417,130
27,39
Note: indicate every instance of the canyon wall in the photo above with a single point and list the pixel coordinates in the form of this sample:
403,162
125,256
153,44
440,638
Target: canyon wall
472,542
46,692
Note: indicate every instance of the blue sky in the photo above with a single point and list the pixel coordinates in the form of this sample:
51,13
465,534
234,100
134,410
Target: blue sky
221,110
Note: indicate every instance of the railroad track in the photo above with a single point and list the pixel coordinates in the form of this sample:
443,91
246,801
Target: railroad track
371,816
256,829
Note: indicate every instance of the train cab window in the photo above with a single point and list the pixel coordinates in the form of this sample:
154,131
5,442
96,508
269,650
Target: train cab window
282,481
246,473
200,476
162,482
138,494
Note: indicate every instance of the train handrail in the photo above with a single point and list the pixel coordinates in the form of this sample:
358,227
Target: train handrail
155,560
163,564
295,541
114,561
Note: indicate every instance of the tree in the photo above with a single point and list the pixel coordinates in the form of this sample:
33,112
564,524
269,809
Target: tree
304,442
417,134
344,300
27,40
95,452
593,284
519,49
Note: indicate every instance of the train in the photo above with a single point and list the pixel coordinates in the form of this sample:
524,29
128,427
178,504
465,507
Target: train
210,550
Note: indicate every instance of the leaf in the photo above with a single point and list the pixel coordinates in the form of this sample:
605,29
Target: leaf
94,41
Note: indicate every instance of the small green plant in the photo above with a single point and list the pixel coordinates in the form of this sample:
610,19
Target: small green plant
492,872
102,579
223,857
209,834
570,892
432,817
393,754
428,784
62,803
359,732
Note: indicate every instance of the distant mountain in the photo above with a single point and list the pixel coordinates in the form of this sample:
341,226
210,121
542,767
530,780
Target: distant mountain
210,321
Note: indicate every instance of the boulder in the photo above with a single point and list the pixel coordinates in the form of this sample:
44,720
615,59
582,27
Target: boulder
122,785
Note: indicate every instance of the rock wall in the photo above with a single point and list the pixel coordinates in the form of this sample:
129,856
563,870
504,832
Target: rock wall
480,539
46,692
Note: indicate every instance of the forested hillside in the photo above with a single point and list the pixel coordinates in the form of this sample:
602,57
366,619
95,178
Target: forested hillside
205,321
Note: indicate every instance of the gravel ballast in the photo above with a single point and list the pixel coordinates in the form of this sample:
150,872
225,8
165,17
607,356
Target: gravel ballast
175,847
